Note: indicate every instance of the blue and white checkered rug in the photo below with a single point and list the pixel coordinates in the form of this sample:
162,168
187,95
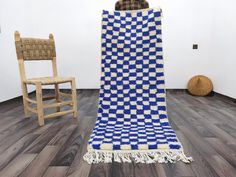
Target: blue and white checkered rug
132,123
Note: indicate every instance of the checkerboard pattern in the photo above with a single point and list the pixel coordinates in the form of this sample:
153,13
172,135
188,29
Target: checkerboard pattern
132,102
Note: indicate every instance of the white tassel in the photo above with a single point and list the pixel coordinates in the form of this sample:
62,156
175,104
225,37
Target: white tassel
160,156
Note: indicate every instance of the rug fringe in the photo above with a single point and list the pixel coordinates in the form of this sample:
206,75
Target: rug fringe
160,156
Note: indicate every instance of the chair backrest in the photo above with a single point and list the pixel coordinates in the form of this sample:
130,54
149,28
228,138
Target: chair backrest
35,49
28,49
131,5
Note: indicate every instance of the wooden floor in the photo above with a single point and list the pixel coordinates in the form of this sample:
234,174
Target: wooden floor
205,126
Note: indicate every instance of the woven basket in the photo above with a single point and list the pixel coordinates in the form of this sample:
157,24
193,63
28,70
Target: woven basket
200,86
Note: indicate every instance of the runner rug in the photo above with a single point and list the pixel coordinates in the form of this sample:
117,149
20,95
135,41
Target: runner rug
132,123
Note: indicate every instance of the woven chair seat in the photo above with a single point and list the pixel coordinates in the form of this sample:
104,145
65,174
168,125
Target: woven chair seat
48,80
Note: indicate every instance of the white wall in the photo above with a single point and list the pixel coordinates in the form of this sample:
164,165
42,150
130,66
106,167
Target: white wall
185,22
224,47
76,26
10,85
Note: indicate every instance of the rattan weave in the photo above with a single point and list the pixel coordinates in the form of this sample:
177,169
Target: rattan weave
200,85
131,5
35,49
49,80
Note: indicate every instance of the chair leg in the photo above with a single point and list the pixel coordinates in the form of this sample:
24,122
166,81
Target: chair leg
39,97
74,98
57,96
25,102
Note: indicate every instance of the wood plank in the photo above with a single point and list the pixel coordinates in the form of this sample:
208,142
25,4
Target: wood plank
87,117
79,167
8,122
67,153
11,130
227,138
17,131
19,109
200,121
46,127
141,170
18,165
101,170
63,135
209,154
221,166
160,170
10,105
200,166
40,164
82,171
228,128
58,171
122,169
178,170
39,143
15,149
211,111
223,150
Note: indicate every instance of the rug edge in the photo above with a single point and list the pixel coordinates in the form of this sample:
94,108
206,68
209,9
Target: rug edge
138,156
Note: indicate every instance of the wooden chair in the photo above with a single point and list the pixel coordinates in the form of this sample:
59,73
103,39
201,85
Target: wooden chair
29,49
